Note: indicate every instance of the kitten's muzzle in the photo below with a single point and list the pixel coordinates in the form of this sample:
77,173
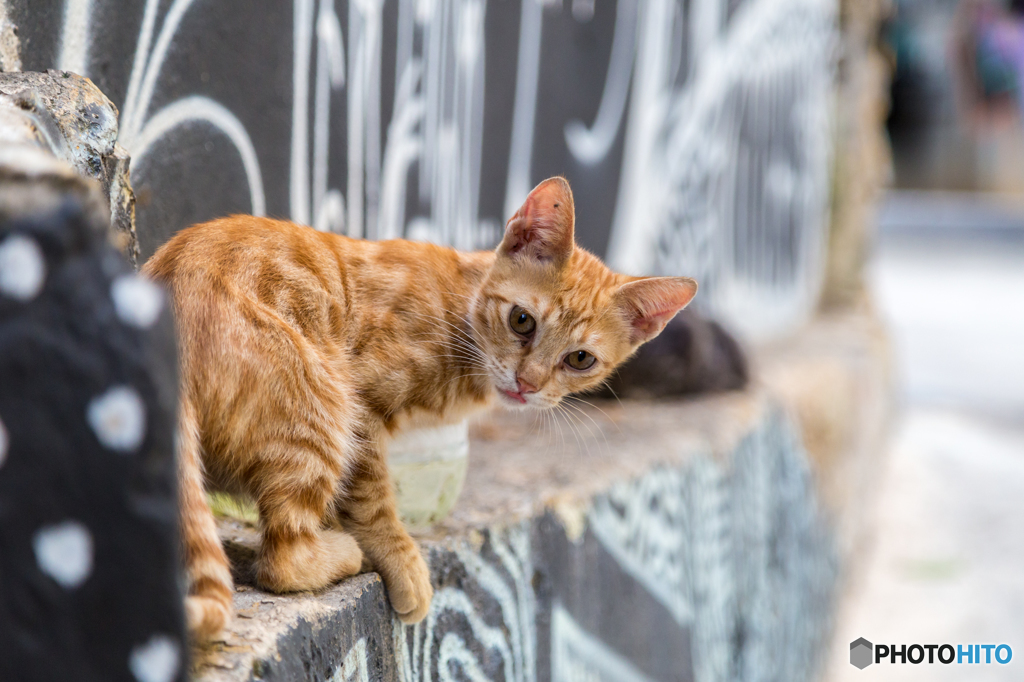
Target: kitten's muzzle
523,388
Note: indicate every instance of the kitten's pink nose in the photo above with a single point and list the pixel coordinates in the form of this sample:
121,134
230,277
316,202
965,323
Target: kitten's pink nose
525,387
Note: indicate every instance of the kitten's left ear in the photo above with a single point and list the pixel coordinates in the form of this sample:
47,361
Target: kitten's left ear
542,228
650,302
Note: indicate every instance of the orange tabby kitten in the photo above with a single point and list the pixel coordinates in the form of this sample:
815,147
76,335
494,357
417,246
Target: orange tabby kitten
302,351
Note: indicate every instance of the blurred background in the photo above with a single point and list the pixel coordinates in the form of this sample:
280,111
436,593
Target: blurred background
947,274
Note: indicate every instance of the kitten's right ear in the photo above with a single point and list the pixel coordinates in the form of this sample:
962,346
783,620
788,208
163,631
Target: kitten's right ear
542,228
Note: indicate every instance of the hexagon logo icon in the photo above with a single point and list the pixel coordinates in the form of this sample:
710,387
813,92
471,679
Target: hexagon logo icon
860,653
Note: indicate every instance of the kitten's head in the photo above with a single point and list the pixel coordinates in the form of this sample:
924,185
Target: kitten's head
550,318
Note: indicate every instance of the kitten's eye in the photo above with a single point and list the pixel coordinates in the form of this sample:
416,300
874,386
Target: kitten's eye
580,359
522,322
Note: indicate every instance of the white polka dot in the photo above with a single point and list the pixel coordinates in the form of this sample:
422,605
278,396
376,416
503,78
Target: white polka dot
64,552
119,418
156,661
137,300
22,268
4,442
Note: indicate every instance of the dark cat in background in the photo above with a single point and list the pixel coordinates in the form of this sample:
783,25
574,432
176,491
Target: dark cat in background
692,355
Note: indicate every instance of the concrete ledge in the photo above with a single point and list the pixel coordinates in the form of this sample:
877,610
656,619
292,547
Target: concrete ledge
669,541
835,379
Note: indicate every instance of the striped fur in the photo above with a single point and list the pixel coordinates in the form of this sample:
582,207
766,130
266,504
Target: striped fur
301,352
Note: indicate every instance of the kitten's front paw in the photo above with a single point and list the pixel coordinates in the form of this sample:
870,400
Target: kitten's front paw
409,588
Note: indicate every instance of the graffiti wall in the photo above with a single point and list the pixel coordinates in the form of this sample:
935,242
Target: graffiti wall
695,133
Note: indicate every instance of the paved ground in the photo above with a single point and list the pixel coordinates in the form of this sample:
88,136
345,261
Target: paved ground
946,562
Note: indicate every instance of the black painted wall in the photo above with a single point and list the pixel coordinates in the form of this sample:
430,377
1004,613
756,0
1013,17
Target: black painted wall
241,55
432,119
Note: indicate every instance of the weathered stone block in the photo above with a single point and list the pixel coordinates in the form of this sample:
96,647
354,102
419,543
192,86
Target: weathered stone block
67,115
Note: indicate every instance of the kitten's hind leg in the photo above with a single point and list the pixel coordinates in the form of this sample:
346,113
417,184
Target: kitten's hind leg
297,552
369,512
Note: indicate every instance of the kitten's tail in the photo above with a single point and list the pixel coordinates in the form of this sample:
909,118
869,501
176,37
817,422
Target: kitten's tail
208,605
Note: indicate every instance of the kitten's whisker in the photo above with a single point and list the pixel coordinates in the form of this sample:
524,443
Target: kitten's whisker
468,359
468,349
453,326
579,445
448,342
580,425
556,424
469,323
616,396
461,376
603,437
590,404
453,344
464,350
467,362
537,423
464,296
549,419
579,410
465,320
561,431
448,335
